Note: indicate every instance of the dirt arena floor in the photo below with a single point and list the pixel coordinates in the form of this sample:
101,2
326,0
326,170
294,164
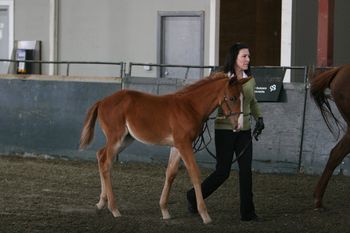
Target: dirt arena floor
51,195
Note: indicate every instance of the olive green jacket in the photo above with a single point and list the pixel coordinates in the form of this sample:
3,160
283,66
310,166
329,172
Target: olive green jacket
250,108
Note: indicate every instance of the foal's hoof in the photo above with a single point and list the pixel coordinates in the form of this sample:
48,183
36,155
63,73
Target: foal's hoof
99,206
116,213
166,215
320,209
207,221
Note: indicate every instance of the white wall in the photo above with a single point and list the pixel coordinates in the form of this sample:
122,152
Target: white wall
126,30
105,30
117,30
32,23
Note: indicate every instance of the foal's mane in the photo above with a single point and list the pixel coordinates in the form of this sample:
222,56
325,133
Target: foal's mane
203,81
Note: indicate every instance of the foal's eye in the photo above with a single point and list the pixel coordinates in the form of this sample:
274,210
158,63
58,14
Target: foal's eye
233,98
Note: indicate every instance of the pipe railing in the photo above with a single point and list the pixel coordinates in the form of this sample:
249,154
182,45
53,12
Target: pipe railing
187,67
69,63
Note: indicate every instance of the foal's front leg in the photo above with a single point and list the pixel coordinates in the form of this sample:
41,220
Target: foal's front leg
187,156
171,172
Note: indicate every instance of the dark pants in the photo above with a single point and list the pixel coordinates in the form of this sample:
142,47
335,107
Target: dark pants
227,143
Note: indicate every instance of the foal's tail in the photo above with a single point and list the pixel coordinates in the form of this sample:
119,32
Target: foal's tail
318,85
89,127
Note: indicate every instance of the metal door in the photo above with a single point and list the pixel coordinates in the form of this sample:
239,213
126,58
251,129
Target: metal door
181,42
4,38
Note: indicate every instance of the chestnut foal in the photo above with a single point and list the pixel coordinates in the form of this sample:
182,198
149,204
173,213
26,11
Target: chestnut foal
173,120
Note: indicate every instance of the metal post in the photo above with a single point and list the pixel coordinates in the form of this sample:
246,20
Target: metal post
67,72
130,67
187,70
121,69
306,69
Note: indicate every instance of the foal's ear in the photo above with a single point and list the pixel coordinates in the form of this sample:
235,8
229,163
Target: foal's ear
244,80
233,80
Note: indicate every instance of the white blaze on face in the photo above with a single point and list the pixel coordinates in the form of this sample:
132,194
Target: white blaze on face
240,118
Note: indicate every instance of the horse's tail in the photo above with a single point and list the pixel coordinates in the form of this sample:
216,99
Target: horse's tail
318,85
87,133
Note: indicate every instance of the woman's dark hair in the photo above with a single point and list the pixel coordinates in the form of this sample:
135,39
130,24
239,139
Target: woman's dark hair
231,58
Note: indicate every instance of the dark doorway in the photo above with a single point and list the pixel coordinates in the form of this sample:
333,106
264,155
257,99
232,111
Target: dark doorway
255,22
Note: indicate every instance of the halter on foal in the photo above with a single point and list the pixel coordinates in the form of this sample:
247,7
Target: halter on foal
174,120
338,80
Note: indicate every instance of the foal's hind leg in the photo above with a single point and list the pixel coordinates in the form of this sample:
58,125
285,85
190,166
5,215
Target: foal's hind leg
336,157
105,159
103,196
171,172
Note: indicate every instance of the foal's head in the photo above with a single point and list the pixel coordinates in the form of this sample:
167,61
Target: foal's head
232,103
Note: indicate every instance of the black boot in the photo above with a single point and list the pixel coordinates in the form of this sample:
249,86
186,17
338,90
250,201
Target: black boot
191,204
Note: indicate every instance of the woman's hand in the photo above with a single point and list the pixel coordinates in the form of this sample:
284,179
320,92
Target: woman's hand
259,126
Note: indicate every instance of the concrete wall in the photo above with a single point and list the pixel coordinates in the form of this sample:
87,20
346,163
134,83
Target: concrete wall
44,115
279,146
295,139
318,141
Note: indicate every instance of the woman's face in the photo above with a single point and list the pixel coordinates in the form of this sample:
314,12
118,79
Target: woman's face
243,59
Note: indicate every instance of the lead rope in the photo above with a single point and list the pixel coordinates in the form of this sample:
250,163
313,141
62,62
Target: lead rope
200,144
